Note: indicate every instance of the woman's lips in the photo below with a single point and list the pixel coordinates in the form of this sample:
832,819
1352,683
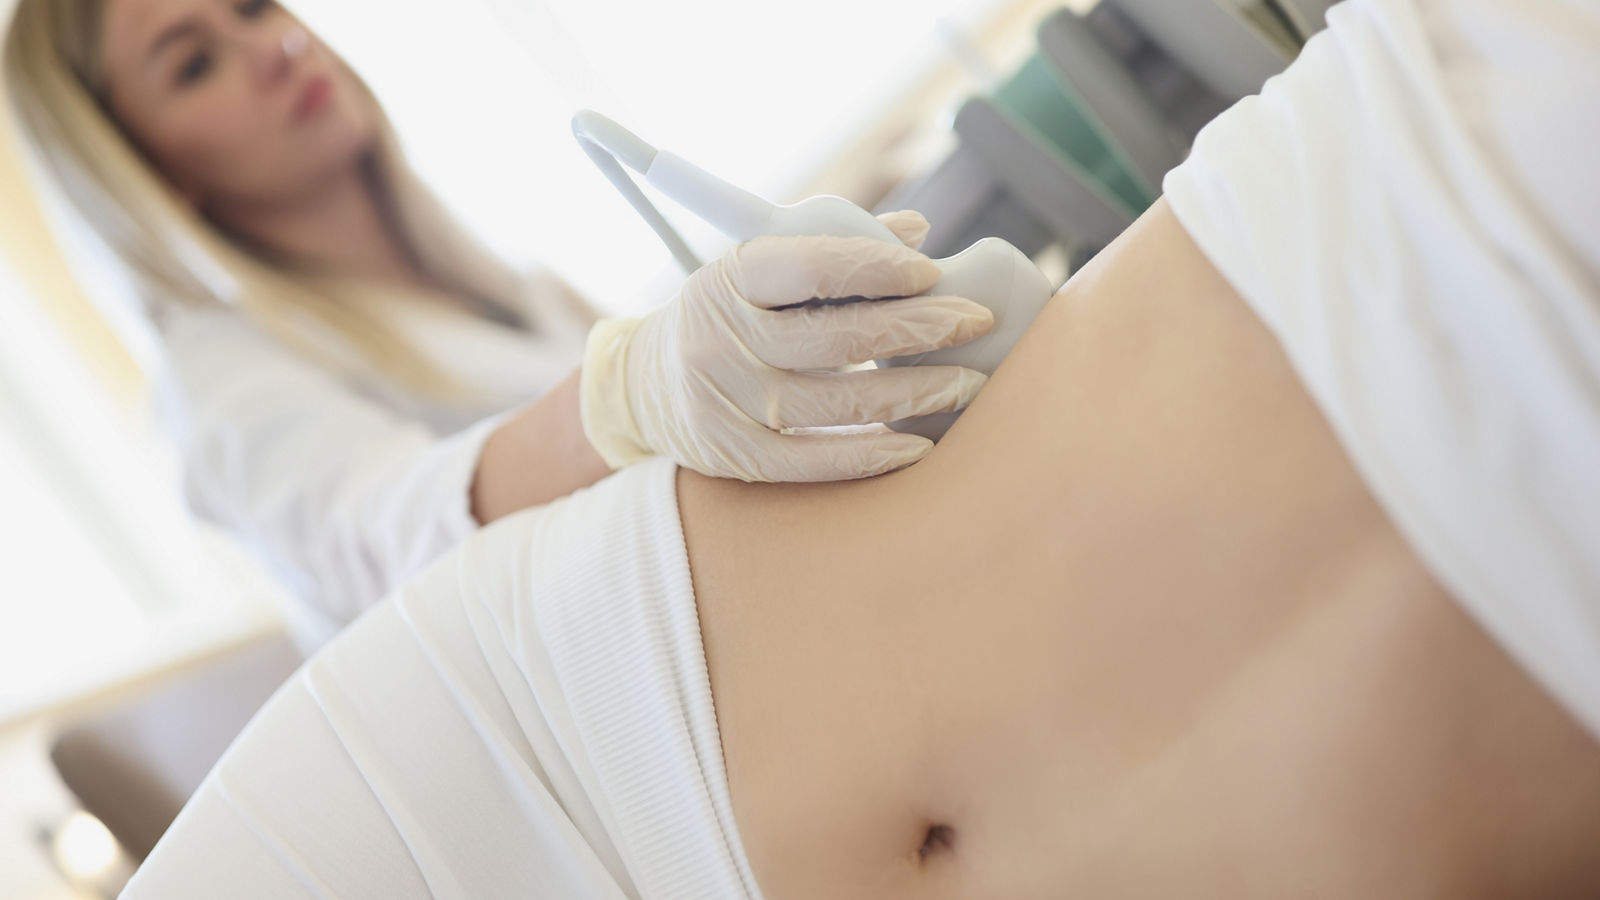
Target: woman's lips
314,98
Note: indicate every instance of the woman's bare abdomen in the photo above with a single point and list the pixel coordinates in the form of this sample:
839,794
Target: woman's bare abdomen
1135,629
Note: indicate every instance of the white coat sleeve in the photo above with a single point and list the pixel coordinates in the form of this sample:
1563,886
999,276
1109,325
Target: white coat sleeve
338,496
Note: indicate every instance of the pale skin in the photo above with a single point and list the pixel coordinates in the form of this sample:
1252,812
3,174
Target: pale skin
1135,629
208,90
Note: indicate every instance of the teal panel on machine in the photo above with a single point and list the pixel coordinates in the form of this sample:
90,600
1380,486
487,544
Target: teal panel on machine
1047,109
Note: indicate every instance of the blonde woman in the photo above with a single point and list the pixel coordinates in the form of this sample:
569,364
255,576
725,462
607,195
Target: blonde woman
354,383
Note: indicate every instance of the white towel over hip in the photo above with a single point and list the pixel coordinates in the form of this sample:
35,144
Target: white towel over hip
531,718
1413,207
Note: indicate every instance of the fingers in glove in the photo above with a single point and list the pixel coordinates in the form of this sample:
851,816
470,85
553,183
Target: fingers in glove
803,399
846,334
780,271
910,226
835,457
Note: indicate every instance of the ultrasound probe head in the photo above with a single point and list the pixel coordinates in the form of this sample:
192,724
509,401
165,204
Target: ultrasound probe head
990,272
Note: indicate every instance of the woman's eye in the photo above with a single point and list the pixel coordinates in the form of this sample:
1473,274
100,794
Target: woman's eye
249,9
194,69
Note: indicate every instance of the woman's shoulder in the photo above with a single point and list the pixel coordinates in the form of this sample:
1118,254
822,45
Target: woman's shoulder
189,328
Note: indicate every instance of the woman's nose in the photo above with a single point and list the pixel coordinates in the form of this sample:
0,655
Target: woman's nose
275,53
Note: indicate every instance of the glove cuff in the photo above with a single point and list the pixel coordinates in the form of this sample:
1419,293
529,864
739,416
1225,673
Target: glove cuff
608,420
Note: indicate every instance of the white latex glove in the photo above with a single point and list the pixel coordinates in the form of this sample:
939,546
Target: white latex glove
717,377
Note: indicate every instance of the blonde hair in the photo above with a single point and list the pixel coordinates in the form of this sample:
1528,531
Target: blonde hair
176,258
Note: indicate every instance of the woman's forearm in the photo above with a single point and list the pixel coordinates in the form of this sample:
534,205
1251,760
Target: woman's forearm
538,455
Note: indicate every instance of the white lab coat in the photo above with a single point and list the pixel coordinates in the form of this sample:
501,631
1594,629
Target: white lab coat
344,484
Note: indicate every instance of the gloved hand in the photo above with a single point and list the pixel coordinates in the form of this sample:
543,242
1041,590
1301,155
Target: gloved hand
715,377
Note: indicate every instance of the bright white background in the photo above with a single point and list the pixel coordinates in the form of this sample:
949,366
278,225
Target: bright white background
762,93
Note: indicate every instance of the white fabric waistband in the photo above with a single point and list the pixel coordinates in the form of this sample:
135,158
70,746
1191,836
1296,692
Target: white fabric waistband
531,717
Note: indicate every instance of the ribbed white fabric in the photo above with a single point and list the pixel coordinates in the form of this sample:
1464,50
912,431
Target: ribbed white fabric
1413,207
530,718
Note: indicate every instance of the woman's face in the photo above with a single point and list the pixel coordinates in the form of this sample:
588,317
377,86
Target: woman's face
233,99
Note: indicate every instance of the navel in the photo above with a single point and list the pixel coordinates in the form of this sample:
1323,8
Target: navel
940,838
